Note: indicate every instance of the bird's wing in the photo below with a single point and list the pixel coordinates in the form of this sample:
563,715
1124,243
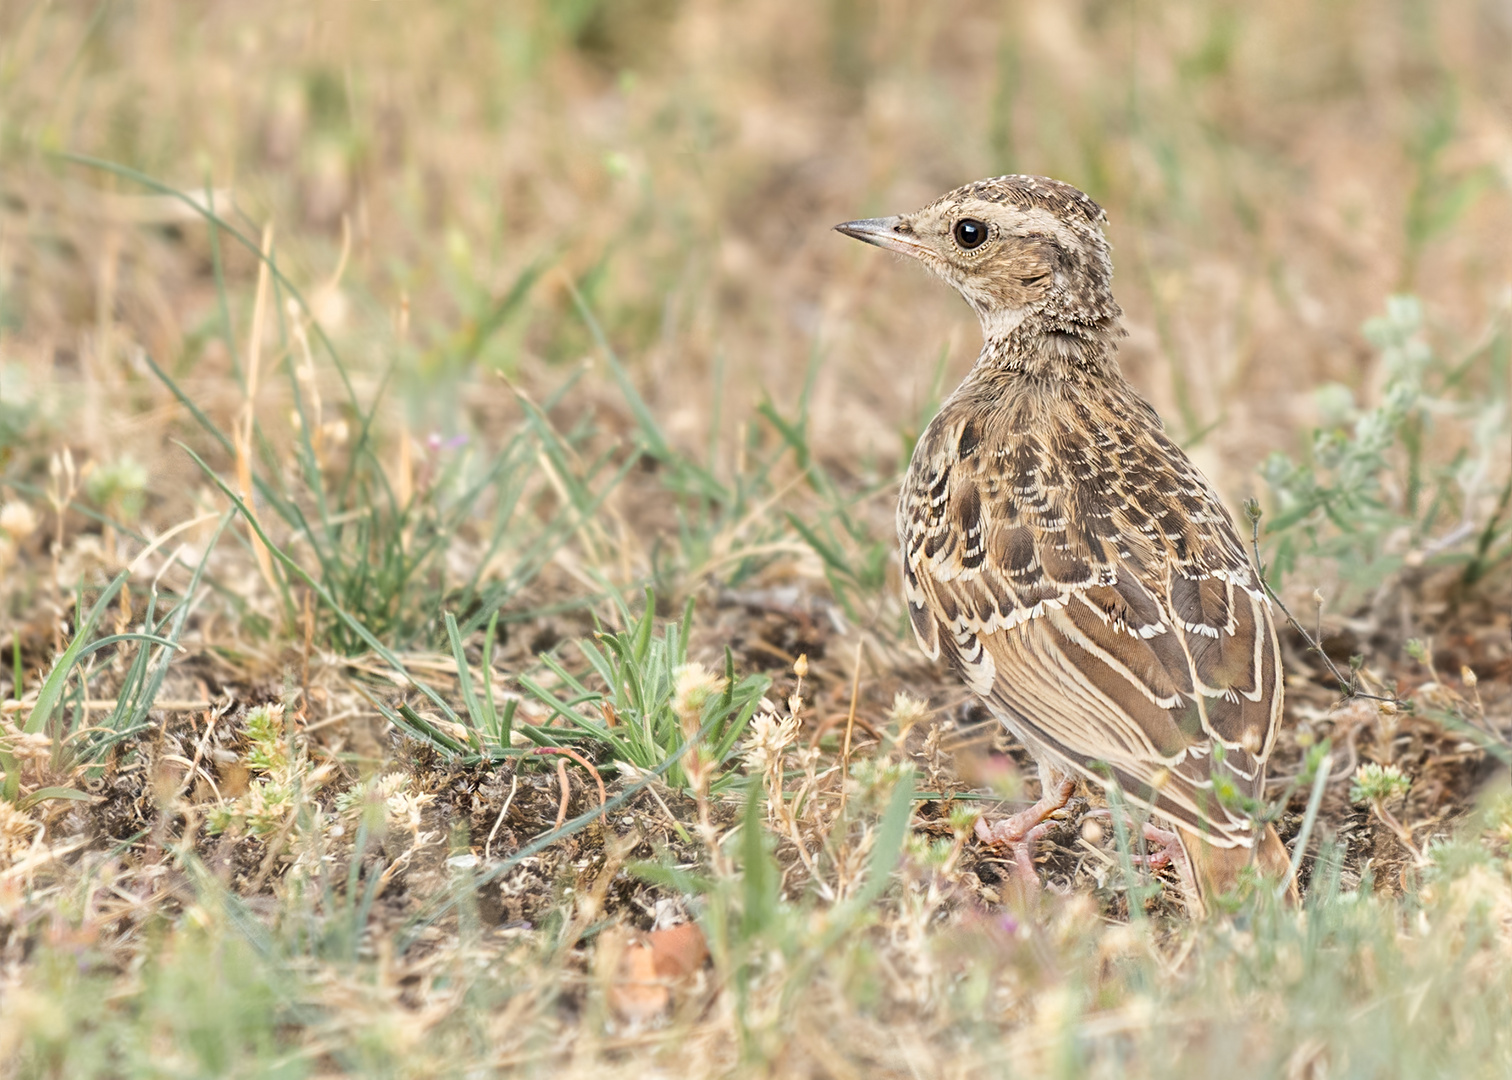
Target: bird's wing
1102,603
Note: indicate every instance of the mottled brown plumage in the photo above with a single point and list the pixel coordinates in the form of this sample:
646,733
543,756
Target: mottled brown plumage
1064,554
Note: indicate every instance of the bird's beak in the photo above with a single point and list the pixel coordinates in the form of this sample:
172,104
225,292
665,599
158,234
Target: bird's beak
884,233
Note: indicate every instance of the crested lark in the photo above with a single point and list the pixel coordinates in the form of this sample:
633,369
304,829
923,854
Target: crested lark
1066,556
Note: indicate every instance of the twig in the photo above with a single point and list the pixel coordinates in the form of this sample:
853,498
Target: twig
275,849
514,784
562,805
581,760
1402,833
1314,802
211,716
1351,684
850,725
667,810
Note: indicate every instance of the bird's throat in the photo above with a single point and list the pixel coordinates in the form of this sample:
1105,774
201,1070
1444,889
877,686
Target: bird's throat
1033,346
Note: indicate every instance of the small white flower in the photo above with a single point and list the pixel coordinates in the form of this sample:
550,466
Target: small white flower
693,688
390,784
404,810
907,711
27,746
17,831
18,519
770,736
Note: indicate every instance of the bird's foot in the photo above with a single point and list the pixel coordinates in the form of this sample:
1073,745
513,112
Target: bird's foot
1167,850
1019,832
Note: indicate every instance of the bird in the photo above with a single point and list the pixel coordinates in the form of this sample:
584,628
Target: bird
1066,557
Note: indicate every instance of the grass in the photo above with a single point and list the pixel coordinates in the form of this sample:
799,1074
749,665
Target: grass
446,488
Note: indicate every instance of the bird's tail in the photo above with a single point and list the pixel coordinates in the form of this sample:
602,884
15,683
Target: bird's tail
1216,870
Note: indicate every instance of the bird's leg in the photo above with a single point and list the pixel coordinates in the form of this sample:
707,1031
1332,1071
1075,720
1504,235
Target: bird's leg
1168,850
1019,832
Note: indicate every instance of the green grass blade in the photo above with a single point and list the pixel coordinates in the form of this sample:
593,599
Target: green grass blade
65,793
435,909
52,687
326,598
1309,819
464,679
490,715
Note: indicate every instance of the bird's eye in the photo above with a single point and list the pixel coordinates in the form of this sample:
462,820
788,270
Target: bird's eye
970,233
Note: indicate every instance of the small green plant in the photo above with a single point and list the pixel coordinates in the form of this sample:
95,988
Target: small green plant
1367,496
59,718
118,487
286,775
1464,711
653,698
19,410
1375,785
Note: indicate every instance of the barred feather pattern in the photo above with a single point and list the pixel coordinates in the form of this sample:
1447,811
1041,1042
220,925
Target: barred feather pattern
1083,577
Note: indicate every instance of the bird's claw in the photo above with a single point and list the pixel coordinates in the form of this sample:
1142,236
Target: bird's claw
1168,850
1020,832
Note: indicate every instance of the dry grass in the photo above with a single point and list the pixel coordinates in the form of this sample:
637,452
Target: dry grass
557,316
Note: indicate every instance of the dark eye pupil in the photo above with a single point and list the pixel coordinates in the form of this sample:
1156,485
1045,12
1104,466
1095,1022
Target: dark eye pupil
970,233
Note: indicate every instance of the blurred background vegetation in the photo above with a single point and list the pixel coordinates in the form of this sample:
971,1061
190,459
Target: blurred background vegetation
558,314
1272,172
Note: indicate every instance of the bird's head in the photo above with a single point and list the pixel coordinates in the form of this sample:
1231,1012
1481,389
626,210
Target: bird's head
1015,247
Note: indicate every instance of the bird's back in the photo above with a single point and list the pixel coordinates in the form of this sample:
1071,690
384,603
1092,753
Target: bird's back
1084,578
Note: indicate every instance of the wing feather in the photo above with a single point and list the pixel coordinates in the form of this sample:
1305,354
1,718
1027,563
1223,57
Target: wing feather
1091,588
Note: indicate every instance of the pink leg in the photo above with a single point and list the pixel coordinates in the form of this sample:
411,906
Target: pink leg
1021,831
1168,850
